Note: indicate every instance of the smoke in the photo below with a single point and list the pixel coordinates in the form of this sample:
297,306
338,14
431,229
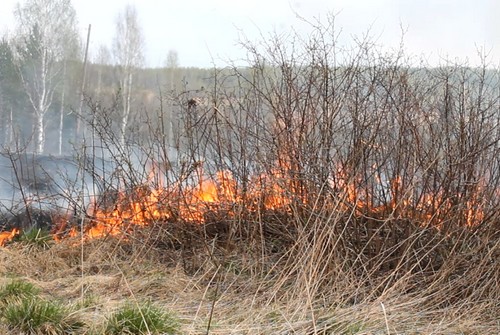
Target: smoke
62,184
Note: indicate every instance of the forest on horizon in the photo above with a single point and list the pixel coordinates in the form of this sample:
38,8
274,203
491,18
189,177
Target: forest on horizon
50,92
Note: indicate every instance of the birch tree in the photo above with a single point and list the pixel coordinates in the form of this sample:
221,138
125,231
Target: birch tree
128,46
102,59
45,30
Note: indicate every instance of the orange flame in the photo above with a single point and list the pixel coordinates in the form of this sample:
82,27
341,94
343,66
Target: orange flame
7,236
272,191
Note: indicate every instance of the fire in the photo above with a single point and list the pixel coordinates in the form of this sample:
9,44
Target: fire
7,236
153,203
428,208
274,191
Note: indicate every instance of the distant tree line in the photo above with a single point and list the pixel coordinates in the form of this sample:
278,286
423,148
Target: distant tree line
42,106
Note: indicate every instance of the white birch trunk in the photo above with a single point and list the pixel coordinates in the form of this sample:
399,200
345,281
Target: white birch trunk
40,138
42,107
127,88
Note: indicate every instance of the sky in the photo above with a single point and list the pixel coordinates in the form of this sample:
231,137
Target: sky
208,32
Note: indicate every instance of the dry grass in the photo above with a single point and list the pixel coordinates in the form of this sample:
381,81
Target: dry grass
234,291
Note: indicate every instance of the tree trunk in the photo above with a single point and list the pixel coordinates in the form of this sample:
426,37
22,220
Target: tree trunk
61,113
40,133
127,92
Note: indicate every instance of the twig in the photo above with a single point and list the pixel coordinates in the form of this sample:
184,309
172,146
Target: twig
385,318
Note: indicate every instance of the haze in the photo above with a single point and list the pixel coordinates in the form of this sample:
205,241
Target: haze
205,33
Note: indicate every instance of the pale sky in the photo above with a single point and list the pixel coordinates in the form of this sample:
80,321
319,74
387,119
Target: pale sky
206,31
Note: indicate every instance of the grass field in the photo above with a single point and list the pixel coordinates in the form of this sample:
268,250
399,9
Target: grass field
212,286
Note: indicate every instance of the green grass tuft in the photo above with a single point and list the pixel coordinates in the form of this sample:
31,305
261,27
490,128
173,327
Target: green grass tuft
17,288
33,315
37,237
144,318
